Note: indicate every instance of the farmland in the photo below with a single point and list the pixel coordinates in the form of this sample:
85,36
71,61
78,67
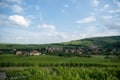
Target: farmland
49,60
48,67
65,73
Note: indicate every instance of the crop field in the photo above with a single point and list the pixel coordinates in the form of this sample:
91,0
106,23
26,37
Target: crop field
64,73
47,60
47,67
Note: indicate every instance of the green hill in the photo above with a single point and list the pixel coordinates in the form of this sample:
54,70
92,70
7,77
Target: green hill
102,42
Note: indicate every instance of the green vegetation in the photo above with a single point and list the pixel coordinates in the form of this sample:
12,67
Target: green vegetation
50,67
65,73
47,60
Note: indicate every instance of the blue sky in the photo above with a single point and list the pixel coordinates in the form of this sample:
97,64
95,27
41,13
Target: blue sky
52,21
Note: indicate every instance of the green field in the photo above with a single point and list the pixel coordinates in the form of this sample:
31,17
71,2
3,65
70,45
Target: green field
49,60
48,67
65,73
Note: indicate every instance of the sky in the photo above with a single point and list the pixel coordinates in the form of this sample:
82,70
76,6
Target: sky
53,21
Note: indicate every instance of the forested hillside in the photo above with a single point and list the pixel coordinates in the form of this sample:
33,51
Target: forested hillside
100,42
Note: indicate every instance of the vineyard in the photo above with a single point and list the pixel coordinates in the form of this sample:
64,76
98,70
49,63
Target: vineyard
48,67
49,60
65,73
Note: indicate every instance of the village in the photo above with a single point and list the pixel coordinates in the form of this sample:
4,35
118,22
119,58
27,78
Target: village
47,50
55,50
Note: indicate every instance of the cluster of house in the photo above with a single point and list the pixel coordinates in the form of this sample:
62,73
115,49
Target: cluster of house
73,51
68,50
64,50
34,52
54,49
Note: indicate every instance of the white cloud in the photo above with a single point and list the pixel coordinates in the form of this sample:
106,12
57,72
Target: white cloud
60,36
114,11
93,31
107,17
64,8
30,16
35,37
41,37
113,26
89,31
96,3
105,26
111,23
105,7
104,33
87,20
16,8
18,20
47,27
